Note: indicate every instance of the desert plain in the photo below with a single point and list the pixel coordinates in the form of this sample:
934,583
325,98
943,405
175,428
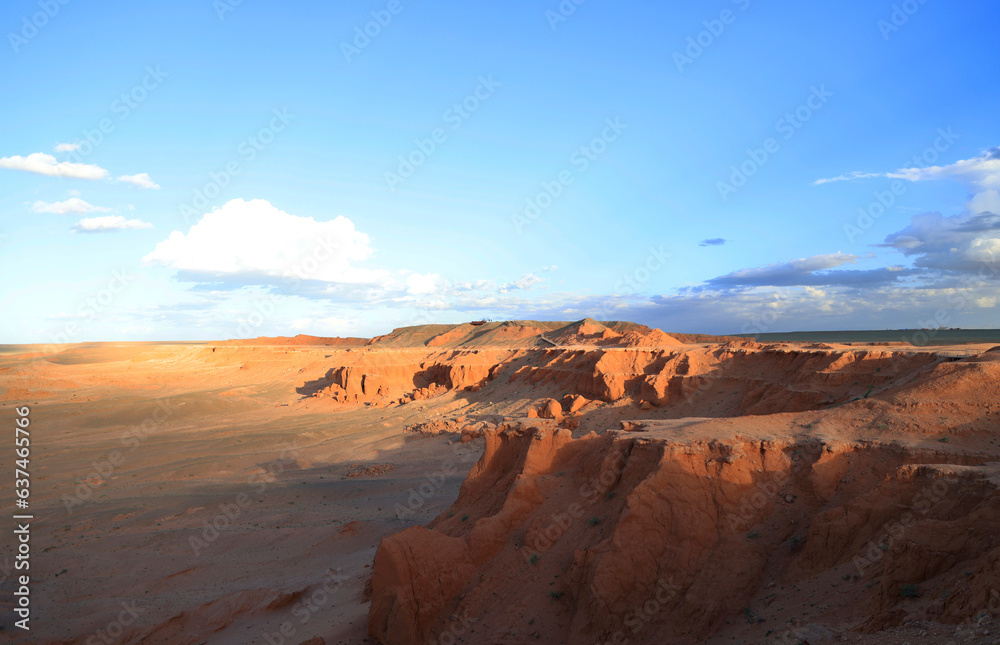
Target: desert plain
508,483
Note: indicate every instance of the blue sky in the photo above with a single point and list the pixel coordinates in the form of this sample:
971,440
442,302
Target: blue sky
204,170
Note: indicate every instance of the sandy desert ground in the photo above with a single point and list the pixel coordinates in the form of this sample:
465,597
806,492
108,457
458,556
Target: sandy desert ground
508,483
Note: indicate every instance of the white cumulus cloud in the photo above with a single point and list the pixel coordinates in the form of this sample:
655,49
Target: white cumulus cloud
424,284
67,147
987,201
245,244
45,164
255,239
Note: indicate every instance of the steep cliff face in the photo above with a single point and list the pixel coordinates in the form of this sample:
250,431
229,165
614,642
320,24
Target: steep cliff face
383,376
752,380
568,540
732,379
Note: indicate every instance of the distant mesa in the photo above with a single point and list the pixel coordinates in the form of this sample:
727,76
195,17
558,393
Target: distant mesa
508,334
301,339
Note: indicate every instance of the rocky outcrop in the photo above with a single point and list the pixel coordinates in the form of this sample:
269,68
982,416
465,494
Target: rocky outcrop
600,526
750,380
383,376
721,380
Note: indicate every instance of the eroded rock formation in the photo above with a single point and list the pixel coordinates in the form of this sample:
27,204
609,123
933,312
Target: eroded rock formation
557,537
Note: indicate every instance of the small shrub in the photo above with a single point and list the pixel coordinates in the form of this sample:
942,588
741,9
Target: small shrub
594,521
909,590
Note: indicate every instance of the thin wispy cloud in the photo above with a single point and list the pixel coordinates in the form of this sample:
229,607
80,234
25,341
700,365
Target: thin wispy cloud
42,163
851,176
983,171
142,180
71,206
525,282
109,223
812,271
